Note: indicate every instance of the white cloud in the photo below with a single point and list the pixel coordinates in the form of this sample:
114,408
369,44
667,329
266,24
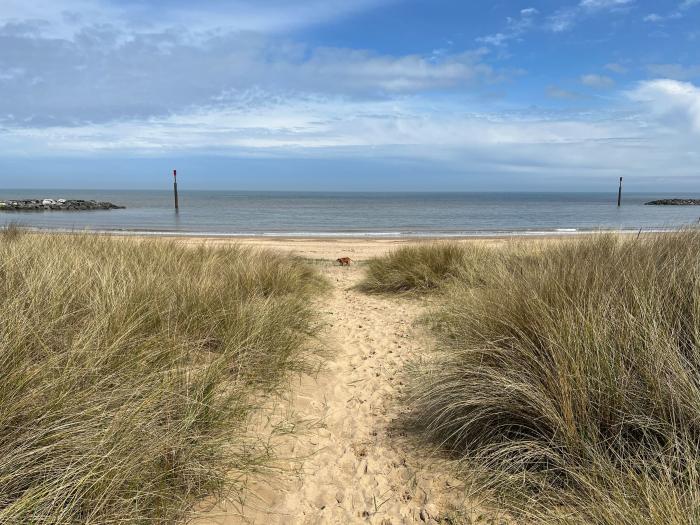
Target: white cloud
496,39
360,69
515,28
567,17
649,136
674,104
261,120
11,73
65,18
263,125
562,20
101,75
604,4
675,14
597,81
271,15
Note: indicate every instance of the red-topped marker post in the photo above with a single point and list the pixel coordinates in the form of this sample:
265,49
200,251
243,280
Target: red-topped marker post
177,202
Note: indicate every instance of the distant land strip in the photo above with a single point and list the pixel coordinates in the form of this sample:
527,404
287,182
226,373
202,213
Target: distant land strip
674,202
57,205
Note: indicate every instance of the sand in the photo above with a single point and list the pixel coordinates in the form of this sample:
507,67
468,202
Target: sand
358,249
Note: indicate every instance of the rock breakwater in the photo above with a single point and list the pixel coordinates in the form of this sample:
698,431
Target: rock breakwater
674,202
56,205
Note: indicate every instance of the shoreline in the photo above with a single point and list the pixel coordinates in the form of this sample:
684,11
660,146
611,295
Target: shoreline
328,249
350,236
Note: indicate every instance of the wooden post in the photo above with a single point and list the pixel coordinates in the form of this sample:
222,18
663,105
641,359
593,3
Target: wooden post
177,201
619,194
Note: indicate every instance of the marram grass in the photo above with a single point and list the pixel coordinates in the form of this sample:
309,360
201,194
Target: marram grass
567,383
426,267
127,370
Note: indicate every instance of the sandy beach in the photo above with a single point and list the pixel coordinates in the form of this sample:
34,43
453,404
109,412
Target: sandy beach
329,249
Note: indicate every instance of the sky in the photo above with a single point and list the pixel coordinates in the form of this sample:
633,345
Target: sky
362,95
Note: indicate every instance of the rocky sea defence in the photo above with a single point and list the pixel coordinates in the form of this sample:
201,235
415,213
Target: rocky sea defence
57,205
674,202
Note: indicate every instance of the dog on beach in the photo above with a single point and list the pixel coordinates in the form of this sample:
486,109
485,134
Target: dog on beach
344,261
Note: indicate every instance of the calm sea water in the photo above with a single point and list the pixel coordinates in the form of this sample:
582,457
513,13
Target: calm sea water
356,214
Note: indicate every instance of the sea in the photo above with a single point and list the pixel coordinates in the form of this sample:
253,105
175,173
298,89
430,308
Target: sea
380,215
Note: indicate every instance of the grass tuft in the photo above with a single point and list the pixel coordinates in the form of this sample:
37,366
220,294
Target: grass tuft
425,267
129,369
11,232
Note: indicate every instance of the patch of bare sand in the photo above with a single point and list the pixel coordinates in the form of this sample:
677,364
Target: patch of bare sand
329,249
349,465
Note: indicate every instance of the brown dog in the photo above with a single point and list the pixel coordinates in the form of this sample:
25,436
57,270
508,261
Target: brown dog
344,261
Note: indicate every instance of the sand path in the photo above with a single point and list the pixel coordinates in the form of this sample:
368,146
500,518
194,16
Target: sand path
355,468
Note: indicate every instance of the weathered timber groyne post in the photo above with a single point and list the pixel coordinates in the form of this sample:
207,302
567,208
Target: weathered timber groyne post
619,194
177,201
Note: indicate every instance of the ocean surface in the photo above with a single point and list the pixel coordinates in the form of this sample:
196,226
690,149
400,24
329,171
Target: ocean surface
356,214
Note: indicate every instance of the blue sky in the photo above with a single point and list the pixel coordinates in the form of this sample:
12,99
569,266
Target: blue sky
362,95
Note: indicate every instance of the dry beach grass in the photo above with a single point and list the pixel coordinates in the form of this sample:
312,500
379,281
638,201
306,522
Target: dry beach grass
566,379
424,267
129,368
